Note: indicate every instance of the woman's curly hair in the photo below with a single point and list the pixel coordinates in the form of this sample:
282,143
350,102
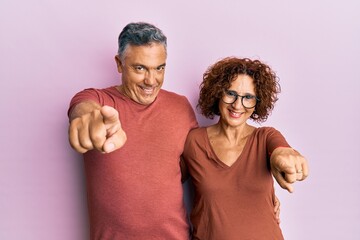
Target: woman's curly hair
219,76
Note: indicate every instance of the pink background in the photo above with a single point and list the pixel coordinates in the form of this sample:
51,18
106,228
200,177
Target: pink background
52,49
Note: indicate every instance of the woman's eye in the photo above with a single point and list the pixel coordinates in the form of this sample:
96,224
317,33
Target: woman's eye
231,93
249,97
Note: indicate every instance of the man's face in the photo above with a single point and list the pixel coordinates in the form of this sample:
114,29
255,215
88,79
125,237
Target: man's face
142,72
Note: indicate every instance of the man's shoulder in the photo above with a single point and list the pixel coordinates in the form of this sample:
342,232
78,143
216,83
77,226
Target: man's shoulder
173,98
103,96
167,93
111,89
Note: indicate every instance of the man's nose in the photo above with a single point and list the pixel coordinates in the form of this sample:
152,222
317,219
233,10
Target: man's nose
150,77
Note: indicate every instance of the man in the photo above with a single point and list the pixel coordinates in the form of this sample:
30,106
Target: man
132,137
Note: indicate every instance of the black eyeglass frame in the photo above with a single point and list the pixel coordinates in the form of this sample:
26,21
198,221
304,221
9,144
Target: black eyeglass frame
233,93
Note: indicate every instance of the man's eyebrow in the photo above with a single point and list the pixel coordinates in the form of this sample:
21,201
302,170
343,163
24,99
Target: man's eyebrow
138,65
146,67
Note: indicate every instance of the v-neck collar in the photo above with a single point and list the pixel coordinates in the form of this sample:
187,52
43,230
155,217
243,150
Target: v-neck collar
217,160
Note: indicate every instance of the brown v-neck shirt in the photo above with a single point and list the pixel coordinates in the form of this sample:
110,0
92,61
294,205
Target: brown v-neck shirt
237,201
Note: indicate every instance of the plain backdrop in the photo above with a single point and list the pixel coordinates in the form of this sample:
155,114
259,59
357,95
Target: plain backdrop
49,50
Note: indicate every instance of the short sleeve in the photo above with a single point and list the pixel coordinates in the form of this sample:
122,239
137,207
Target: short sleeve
274,140
89,94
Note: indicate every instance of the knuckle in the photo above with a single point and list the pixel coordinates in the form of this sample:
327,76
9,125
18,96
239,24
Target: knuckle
82,150
97,137
86,144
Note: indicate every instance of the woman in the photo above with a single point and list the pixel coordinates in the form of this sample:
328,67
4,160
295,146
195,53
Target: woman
229,161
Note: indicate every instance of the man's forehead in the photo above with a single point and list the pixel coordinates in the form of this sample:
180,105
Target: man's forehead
148,55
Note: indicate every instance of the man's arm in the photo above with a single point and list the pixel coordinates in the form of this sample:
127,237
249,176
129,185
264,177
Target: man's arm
184,170
95,127
277,209
288,166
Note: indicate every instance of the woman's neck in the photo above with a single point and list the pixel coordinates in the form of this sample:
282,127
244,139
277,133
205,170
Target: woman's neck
234,135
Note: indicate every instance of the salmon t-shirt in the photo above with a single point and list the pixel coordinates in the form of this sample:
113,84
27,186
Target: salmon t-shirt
135,192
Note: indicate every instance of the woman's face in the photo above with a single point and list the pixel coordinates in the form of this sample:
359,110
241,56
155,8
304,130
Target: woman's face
235,114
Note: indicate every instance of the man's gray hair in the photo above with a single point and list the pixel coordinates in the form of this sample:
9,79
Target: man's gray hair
138,34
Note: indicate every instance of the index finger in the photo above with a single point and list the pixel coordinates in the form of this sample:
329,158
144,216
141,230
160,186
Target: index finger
110,115
282,182
288,170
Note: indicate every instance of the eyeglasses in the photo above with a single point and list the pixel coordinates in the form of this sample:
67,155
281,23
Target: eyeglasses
248,101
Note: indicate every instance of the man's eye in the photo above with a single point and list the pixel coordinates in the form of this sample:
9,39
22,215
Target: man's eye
139,68
160,68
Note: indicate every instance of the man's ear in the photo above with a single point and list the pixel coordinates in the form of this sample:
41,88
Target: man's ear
118,63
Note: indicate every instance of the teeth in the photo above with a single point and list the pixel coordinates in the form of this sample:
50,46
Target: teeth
236,114
148,90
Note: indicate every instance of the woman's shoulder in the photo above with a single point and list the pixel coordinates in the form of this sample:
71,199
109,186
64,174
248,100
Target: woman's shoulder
197,131
266,131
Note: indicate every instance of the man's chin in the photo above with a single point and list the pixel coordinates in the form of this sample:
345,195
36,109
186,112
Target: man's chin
147,100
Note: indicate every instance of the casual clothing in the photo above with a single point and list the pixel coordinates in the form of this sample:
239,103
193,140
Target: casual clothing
235,202
135,192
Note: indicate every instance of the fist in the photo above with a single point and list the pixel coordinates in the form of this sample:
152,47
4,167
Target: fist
99,129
